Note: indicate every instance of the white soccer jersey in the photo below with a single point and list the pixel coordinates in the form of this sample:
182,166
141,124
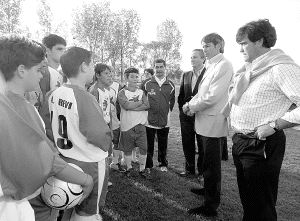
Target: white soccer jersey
114,89
56,79
104,102
130,118
36,97
79,129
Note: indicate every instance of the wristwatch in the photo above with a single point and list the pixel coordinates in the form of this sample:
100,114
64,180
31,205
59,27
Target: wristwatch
274,126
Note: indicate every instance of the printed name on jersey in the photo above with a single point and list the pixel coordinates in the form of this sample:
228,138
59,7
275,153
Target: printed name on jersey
64,103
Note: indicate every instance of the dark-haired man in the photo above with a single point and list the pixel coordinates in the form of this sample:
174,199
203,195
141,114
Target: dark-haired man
262,93
161,95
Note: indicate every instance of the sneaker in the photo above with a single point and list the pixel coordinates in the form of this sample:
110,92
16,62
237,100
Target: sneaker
163,169
187,174
135,163
109,183
99,217
131,173
121,168
117,167
122,162
198,191
114,166
146,173
203,211
200,179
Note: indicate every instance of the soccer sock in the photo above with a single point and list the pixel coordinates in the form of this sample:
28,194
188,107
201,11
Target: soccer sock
122,158
76,217
142,161
128,161
116,155
134,155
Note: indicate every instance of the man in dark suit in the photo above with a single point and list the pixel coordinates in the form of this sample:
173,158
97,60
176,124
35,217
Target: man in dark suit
189,88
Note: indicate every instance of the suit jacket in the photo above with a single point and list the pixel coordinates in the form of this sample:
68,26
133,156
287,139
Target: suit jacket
185,92
211,98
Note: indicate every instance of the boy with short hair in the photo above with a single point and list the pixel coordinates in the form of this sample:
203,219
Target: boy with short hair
118,156
52,79
134,104
55,47
26,158
106,97
101,90
79,130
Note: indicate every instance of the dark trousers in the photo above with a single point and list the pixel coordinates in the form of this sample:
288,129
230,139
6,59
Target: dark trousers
162,140
188,135
258,166
224,149
211,170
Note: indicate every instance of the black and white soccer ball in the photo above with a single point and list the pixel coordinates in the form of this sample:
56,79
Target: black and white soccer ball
61,195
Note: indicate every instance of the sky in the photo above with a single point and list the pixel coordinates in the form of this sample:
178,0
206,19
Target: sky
195,19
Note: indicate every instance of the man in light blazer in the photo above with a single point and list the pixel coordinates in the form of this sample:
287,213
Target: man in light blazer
210,125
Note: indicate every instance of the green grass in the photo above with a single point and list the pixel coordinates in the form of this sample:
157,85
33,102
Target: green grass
167,196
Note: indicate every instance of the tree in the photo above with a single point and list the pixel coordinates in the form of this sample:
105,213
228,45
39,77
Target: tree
10,11
149,52
45,16
90,27
143,57
170,39
122,42
62,29
167,46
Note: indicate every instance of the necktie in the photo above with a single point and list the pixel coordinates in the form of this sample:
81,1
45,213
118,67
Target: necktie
195,91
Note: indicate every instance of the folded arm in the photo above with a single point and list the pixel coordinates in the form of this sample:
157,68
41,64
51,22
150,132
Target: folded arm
126,104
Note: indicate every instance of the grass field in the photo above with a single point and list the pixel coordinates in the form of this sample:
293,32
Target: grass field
167,196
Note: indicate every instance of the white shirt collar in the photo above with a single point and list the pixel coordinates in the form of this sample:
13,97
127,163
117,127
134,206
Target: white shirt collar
215,59
198,72
160,82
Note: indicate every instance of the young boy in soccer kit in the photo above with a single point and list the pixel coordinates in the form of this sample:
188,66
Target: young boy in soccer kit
52,79
106,97
101,90
118,156
134,104
27,158
80,132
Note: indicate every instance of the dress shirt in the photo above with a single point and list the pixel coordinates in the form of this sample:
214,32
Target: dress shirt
267,98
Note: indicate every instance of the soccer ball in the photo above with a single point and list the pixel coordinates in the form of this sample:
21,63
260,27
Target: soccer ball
61,195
